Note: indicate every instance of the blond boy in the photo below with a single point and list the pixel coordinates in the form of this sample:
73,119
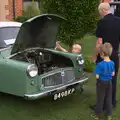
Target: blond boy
76,48
104,72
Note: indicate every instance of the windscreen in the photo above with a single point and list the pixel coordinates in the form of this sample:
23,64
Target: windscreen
8,36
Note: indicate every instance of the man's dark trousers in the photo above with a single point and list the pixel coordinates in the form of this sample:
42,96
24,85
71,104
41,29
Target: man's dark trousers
115,58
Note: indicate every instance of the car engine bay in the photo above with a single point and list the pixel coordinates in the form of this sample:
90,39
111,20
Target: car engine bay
46,61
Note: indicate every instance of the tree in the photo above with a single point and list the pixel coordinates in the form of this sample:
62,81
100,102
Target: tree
81,17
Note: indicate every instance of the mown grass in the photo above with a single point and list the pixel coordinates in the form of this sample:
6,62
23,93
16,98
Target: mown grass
73,107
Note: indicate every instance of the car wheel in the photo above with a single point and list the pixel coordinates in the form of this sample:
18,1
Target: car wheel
80,88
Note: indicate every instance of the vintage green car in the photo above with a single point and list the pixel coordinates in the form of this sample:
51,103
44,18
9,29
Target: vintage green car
30,67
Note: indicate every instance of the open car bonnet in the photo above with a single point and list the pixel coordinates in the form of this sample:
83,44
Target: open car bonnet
39,31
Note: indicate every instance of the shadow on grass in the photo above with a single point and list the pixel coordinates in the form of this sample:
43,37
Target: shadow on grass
67,108
45,103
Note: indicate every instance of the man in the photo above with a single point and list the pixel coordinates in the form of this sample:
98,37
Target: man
108,30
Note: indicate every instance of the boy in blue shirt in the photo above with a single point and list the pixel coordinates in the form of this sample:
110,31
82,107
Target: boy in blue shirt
104,71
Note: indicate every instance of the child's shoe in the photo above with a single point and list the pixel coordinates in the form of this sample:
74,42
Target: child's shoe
95,117
109,118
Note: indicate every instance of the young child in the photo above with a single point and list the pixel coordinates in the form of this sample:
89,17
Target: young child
76,48
104,71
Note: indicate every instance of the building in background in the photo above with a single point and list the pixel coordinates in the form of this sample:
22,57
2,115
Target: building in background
107,0
10,9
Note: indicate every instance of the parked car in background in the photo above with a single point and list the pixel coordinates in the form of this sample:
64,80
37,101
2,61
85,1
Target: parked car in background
30,67
116,6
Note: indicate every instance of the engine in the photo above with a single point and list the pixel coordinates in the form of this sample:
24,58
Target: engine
45,60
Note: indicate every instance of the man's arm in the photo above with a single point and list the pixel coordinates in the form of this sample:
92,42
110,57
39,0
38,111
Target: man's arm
99,35
97,48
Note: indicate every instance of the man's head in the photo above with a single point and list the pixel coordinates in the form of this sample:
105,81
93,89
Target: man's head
76,48
106,50
104,9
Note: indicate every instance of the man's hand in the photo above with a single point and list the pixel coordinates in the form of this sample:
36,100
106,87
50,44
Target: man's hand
97,49
94,58
99,42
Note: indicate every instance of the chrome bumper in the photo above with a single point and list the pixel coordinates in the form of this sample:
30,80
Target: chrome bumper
46,93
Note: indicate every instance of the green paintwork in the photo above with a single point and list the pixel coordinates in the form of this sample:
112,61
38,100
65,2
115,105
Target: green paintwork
13,76
73,57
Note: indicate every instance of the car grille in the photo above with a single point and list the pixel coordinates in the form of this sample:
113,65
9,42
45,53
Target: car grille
58,78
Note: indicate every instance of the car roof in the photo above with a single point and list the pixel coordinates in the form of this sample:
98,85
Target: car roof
9,24
114,3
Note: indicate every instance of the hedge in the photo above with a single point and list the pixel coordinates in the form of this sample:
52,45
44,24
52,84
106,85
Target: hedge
81,17
89,66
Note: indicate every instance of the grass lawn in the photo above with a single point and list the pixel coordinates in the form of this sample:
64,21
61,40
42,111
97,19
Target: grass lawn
74,107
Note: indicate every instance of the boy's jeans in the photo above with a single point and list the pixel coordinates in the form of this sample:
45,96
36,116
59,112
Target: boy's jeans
104,91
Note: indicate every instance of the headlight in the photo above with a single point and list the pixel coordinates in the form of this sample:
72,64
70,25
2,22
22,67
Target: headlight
80,60
32,70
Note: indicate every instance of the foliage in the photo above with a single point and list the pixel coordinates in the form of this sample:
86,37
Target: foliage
81,17
21,19
89,65
29,12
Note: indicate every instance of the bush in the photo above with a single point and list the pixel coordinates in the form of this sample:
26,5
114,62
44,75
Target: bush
81,17
89,66
21,19
29,12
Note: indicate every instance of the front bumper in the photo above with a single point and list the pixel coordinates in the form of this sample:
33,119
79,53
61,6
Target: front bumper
49,92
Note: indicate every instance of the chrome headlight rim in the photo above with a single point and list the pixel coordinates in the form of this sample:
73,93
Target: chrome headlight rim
32,70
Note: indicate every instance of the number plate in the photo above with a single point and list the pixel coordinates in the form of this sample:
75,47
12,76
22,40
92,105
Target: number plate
64,93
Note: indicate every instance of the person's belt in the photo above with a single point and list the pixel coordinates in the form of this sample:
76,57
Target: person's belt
104,81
